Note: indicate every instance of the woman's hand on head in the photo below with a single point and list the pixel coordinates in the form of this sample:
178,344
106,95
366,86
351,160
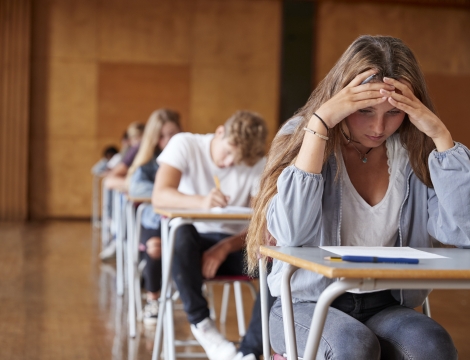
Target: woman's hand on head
423,118
352,98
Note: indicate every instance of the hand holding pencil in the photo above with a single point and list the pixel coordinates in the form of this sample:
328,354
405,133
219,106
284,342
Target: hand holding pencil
215,198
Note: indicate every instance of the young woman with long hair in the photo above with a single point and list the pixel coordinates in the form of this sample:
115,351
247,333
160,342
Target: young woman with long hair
159,129
365,162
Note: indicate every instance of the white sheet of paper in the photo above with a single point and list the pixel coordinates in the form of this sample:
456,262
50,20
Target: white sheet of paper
232,210
380,251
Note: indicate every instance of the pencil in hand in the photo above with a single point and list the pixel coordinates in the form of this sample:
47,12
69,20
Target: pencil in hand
217,182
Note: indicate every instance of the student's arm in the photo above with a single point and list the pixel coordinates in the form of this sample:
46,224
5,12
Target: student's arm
353,97
449,199
166,194
216,255
140,185
119,170
115,182
423,118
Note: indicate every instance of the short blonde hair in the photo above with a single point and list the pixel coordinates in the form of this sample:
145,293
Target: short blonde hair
247,131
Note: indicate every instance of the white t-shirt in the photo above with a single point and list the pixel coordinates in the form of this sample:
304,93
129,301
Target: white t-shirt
190,154
381,220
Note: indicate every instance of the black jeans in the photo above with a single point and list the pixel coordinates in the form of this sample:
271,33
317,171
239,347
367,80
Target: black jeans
187,268
152,272
187,275
252,342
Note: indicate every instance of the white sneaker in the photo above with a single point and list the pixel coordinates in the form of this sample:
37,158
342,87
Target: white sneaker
150,312
246,357
214,344
109,251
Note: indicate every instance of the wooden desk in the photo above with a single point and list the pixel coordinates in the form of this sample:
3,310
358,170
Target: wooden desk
450,273
177,218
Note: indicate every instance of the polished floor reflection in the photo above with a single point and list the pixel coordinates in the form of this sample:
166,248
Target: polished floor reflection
58,301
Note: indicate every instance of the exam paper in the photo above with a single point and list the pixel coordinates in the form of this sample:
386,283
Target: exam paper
380,251
232,210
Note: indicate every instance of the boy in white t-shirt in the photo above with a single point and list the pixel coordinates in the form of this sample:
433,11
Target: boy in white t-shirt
188,165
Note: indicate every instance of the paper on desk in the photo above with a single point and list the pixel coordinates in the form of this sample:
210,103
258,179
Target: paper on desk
231,210
380,251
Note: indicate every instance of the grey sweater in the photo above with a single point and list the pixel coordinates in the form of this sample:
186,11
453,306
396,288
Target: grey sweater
306,211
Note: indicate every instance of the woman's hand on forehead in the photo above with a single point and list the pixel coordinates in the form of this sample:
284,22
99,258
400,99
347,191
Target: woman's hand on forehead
353,97
424,119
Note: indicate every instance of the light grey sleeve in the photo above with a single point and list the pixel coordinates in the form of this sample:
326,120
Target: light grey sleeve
140,187
449,201
294,213
150,219
290,125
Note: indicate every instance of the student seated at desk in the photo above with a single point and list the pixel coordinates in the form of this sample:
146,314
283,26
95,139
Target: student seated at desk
365,162
101,167
159,129
115,180
117,176
116,159
185,179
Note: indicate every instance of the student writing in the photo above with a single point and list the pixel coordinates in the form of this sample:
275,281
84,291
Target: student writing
185,179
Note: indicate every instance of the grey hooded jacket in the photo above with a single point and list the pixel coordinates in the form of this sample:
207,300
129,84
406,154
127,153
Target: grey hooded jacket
306,211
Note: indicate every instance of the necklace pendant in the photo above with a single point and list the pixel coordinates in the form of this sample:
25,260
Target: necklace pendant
364,159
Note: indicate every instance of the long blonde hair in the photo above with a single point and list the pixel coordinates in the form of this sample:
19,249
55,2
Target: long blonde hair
391,58
151,136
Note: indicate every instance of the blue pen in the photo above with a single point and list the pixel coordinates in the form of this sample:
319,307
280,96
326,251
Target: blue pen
374,259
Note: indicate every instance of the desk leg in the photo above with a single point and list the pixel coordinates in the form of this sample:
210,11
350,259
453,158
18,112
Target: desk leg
118,221
130,267
104,216
288,313
321,310
170,353
163,294
168,247
138,294
263,287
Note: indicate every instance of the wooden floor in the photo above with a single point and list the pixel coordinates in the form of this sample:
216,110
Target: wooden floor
57,301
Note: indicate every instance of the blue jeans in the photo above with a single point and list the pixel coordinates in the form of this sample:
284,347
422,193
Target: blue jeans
366,326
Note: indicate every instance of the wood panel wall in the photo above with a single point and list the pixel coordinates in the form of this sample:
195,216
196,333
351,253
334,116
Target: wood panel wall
438,36
88,58
14,107
99,65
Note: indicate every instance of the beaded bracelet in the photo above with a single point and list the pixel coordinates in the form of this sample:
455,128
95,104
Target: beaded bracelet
324,123
315,133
